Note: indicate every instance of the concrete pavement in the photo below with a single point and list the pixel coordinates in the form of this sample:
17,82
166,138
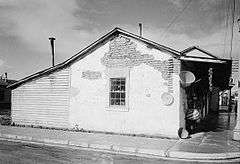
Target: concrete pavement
27,153
202,146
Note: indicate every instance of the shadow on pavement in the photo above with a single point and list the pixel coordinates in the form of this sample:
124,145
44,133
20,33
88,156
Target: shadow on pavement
216,122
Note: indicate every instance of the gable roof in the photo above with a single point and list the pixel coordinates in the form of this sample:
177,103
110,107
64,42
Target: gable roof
191,49
80,55
204,56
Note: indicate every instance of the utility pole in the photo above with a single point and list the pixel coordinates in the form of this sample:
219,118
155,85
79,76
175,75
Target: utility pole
236,130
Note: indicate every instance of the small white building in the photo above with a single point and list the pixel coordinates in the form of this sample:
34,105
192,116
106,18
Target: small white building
121,83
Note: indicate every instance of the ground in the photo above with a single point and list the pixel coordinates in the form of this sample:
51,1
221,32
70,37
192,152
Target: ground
19,153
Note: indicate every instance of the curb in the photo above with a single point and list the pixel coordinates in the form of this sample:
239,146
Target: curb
200,156
155,152
56,141
101,146
142,152
79,144
124,149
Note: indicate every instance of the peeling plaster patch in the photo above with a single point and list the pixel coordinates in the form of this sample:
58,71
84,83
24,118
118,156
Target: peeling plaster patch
123,53
170,78
91,75
161,66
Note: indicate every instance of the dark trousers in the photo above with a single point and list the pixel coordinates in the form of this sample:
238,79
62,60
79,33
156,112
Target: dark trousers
191,126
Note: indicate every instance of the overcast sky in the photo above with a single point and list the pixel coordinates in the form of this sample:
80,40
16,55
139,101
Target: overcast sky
26,25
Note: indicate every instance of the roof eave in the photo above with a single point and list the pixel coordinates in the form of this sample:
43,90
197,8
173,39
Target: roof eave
202,59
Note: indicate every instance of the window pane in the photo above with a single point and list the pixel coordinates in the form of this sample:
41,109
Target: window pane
112,88
113,82
117,95
118,82
122,95
117,102
122,102
112,95
122,88
118,88
112,101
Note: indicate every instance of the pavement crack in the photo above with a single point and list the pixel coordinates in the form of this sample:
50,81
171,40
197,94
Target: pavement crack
166,152
203,139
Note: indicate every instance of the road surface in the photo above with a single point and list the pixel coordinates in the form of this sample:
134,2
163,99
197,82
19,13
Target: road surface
22,153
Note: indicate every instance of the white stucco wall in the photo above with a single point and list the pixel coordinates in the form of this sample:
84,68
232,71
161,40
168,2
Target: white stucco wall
144,112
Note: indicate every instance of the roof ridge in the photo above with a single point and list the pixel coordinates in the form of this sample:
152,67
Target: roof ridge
81,54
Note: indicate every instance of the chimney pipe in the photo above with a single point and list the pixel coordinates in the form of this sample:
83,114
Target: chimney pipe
140,28
52,45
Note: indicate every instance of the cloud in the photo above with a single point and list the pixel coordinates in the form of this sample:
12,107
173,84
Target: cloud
1,62
202,17
35,21
25,27
77,23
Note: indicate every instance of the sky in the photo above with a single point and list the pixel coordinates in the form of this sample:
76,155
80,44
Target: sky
26,25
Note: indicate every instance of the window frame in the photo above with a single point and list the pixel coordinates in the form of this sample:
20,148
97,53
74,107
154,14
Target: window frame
117,73
120,91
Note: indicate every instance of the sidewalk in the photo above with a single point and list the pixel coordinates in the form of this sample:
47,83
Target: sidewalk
202,146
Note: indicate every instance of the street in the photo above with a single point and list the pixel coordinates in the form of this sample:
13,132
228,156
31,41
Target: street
21,153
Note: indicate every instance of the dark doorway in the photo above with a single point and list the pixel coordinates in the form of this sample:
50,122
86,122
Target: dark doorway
203,95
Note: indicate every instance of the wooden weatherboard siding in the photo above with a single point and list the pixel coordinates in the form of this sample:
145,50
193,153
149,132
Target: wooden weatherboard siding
43,101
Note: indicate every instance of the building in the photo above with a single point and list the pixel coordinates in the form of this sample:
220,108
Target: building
121,83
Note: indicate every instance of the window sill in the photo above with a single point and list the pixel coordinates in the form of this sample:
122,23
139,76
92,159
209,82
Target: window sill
118,108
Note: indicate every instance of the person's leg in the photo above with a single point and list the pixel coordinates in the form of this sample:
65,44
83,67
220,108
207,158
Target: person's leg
192,126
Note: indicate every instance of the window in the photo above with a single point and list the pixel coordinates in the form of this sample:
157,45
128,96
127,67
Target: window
117,91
